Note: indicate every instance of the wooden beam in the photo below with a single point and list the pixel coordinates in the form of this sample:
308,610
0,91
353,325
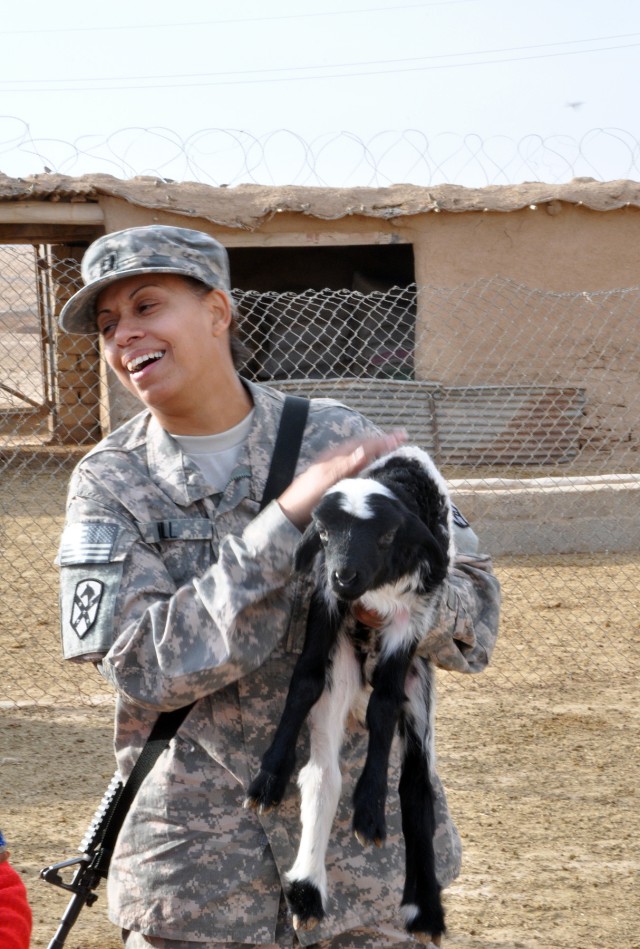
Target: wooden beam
48,233
50,212
333,238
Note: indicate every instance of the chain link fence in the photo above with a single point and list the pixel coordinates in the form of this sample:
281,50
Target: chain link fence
530,403
528,400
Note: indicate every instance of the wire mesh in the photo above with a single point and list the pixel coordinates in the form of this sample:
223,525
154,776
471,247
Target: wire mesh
528,400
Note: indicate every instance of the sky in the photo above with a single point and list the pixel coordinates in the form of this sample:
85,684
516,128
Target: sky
329,92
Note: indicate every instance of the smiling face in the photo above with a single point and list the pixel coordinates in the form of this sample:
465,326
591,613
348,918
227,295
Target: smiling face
169,345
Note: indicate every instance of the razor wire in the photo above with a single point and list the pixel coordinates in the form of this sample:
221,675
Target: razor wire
227,157
523,396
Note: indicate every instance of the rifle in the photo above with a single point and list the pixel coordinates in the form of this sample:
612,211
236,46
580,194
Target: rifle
98,843
93,864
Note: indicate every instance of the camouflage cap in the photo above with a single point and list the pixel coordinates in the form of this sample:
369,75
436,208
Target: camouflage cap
157,248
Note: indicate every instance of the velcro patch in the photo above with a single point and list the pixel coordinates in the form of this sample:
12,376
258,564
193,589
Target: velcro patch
87,542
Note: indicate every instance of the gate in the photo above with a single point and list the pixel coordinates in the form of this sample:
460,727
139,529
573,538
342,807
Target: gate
26,366
49,382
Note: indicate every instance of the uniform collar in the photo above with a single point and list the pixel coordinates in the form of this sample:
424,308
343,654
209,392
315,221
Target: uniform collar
182,478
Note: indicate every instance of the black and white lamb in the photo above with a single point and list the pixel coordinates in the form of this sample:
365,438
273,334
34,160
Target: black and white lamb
385,541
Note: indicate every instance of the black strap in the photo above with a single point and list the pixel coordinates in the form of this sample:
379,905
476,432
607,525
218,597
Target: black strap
166,726
281,471
286,448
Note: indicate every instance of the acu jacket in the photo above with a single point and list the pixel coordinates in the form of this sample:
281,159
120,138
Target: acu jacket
180,594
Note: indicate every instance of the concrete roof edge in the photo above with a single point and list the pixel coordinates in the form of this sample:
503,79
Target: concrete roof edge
246,206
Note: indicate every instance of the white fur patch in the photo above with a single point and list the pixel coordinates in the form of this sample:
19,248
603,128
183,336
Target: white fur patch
409,912
320,780
355,494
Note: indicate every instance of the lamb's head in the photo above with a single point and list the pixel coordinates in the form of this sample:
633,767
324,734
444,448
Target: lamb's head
367,538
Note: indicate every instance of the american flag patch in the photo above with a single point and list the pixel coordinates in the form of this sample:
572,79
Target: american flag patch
87,542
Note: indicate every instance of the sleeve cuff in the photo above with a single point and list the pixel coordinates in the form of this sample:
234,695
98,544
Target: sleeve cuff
273,533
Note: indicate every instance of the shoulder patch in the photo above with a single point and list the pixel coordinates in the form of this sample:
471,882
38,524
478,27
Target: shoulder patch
87,542
458,518
86,602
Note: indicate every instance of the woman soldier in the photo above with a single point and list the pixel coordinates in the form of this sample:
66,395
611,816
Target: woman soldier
180,590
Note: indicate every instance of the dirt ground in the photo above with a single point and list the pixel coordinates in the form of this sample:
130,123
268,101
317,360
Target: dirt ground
538,754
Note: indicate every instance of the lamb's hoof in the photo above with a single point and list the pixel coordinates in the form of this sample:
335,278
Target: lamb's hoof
426,940
305,901
265,793
304,925
426,925
251,804
364,841
369,826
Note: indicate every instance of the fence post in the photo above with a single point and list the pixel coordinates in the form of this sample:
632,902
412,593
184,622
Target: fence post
77,359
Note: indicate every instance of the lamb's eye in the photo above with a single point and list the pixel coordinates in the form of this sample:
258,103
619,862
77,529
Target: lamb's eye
387,539
323,535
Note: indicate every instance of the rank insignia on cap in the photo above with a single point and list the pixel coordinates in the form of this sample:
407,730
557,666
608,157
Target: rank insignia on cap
108,263
86,602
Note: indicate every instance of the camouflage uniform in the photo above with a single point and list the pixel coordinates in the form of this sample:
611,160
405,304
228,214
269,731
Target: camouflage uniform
181,595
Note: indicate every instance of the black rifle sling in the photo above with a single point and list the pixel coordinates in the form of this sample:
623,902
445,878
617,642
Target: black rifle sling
281,472
286,448
166,726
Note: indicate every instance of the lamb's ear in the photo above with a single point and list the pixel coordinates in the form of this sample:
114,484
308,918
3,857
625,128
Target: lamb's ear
306,551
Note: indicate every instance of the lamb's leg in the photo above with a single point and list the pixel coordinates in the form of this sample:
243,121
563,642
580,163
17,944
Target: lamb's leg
305,688
320,783
421,903
387,697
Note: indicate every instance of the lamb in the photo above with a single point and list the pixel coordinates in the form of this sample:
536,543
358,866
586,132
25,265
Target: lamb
383,540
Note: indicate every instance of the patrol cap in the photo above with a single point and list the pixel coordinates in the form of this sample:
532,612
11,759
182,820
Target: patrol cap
157,248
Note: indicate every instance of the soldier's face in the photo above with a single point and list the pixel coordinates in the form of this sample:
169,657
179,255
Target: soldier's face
164,341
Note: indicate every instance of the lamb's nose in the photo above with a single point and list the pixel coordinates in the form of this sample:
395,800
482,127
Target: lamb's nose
345,578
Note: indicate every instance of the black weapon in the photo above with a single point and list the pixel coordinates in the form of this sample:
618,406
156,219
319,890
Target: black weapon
93,863
100,839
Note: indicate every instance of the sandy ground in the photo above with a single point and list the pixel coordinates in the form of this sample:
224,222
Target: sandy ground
538,754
